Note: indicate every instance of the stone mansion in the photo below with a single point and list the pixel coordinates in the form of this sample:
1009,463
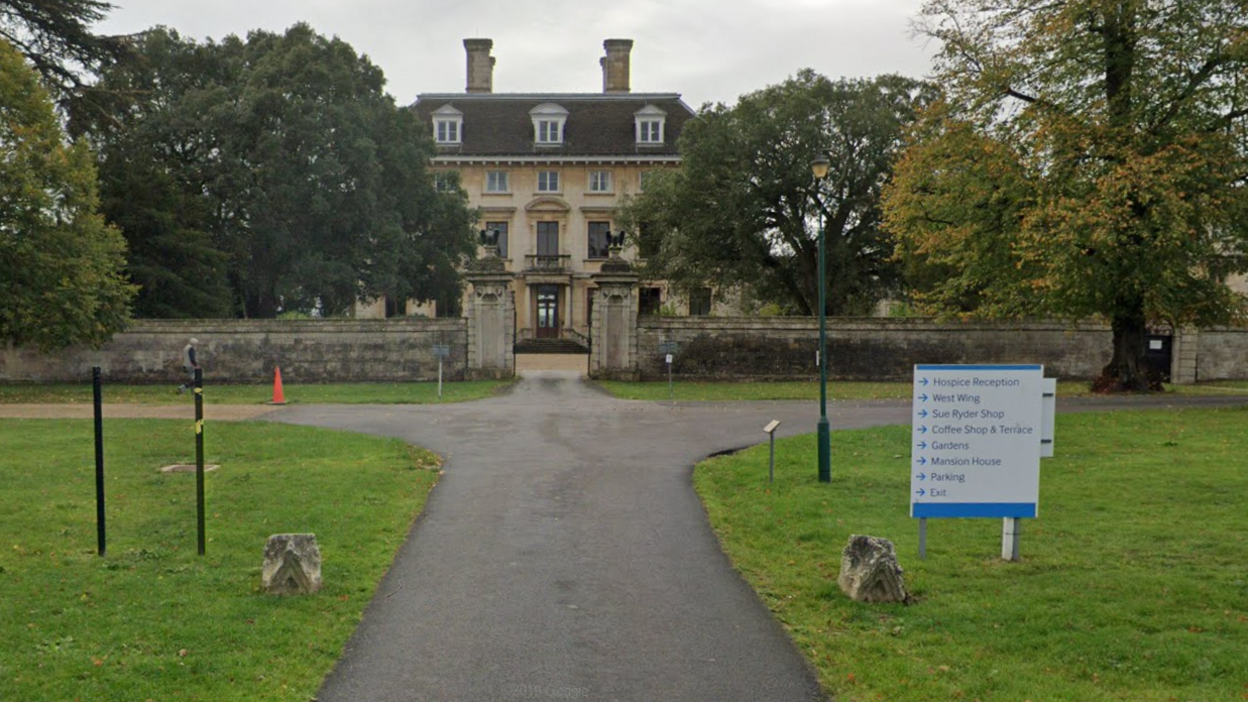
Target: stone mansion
547,171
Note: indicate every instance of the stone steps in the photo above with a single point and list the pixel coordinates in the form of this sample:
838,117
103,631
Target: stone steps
543,346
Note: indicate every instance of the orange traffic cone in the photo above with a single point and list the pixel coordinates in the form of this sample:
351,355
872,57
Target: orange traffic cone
278,397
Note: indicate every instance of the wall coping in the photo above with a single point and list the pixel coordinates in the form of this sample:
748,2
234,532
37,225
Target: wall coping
289,326
864,323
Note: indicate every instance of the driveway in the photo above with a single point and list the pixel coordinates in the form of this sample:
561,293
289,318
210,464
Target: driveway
565,556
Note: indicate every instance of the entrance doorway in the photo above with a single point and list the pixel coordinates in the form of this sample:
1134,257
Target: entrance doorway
548,311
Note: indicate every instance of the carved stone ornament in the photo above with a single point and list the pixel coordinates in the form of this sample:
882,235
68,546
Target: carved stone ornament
489,292
615,294
489,263
615,264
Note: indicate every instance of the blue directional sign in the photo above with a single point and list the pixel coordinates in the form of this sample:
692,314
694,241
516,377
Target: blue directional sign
976,440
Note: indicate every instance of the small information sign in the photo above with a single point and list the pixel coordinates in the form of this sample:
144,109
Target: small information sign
442,350
976,441
669,348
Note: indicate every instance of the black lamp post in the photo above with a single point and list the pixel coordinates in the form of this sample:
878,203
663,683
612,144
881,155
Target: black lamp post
819,168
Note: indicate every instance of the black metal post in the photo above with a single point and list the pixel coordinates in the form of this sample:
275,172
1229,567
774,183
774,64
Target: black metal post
199,454
819,169
822,428
98,391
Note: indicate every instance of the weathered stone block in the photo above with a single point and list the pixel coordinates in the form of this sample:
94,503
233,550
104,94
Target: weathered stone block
292,565
869,571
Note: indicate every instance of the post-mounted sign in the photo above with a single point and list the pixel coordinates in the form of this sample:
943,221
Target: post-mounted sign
976,441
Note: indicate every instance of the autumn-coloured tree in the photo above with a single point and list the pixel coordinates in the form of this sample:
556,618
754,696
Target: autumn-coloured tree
1090,158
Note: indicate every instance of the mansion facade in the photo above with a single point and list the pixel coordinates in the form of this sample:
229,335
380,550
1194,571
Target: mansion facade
548,171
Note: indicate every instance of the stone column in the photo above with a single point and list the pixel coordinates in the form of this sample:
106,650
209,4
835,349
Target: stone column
614,353
491,319
1184,355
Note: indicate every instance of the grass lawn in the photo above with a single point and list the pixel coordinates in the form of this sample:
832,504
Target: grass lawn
1133,584
344,393
1218,387
692,391
151,620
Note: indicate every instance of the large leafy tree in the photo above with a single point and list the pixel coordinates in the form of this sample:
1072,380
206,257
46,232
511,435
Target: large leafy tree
744,209
159,158
1090,158
282,154
60,265
55,36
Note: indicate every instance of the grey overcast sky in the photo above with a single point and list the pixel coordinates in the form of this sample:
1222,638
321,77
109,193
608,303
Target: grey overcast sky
707,50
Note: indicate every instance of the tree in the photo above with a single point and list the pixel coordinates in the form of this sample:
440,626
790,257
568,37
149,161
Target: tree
743,209
284,154
60,280
1090,158
146,118
55,36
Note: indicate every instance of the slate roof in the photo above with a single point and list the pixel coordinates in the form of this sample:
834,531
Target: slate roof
598,124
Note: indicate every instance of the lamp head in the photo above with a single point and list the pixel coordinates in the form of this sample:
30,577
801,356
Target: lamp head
819,166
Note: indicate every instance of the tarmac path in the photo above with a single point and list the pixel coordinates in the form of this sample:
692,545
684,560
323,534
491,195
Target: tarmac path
565,556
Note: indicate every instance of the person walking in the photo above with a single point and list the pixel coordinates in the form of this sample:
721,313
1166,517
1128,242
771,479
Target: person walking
189,363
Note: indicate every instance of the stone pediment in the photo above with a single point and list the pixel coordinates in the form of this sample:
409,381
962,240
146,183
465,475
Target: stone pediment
548,204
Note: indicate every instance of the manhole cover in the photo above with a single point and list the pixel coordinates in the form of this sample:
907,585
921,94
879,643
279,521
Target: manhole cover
187,468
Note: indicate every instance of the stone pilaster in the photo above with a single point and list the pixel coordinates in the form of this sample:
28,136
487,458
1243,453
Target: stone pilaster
616,305
491,320
1184,356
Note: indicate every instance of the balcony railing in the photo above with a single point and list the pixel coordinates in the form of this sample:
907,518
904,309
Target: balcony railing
558,263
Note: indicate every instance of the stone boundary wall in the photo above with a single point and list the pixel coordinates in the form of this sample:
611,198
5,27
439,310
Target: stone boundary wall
1222,354
861,348
758,348
247,351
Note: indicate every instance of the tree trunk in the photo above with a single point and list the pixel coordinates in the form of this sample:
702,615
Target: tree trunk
1128,370
260,306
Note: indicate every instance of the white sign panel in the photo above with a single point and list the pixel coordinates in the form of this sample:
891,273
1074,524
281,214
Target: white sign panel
976,441
1048,418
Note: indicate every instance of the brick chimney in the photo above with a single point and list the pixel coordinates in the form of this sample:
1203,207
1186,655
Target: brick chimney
480,65
615,65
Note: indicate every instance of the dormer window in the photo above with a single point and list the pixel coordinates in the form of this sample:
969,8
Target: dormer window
548,122
448,125
650,121
549,131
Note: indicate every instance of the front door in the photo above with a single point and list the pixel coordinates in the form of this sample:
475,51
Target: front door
547,311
